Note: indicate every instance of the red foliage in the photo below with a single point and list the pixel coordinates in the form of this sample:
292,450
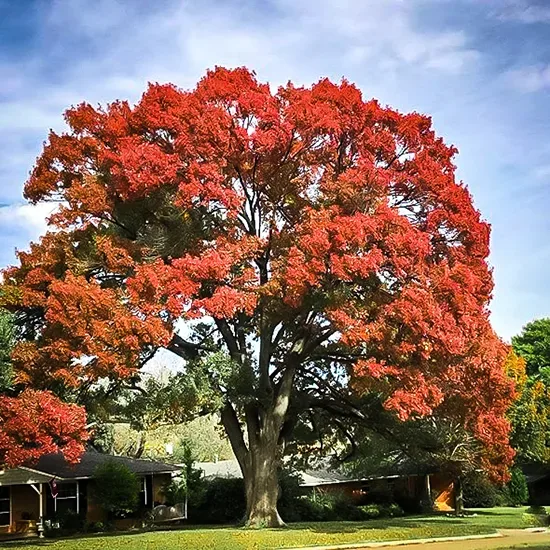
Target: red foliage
307,203
36,423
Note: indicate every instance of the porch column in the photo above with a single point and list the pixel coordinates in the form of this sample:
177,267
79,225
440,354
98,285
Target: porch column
40,492
428,490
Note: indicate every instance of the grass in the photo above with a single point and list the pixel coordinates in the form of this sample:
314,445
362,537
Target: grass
497,518
296,535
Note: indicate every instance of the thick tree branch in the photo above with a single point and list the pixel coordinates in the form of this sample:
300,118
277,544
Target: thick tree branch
233,429
349,437
229,339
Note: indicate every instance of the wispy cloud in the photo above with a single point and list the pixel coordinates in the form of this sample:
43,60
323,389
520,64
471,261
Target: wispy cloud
523,11
530,79
19,225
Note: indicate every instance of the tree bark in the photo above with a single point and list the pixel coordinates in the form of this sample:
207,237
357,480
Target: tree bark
259,463
262,488
259,457
459,497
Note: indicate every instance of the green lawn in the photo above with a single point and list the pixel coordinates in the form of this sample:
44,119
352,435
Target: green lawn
497,518
306,534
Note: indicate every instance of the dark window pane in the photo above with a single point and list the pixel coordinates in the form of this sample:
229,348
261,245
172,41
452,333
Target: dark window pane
66,490
4,492
4,506
64,505
4,518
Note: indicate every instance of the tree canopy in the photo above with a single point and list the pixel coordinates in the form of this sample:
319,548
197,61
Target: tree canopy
533,344
320,240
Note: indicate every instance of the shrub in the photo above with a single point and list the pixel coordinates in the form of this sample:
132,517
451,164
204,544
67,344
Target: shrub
478,491
94,527
371,511
175,492
67,523
290,501
407,503
116,488
535,516
222,501
192,481
323,506
537,511
71,522
395,511
380,495
517,488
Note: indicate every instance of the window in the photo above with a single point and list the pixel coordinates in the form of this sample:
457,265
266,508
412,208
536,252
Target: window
67,497
366,487
4,506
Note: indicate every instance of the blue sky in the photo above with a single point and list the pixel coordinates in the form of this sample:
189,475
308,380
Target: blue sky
481,68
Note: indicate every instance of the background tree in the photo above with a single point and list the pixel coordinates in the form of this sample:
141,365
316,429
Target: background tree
147,404
533,344
319,239
33,423
530,412
116,488
517,488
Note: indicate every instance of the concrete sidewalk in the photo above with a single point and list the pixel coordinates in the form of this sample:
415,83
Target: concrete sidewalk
505,538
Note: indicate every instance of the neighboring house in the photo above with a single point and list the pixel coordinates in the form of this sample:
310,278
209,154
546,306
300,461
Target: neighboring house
413,485
26,496
538,482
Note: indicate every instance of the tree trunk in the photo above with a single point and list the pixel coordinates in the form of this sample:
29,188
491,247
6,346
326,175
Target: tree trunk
259,459
262,488
459,497
260,456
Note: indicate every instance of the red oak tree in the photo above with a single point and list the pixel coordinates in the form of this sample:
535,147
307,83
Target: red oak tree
35,423
321,239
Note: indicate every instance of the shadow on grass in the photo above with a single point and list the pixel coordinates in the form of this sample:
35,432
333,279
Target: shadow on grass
403,524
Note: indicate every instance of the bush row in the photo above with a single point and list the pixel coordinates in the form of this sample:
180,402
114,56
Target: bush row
222,501
479,492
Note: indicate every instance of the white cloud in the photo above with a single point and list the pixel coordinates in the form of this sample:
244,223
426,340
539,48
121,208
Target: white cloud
523,11
27,218
530,79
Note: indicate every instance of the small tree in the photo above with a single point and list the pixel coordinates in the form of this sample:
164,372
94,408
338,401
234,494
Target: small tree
116,488
194,483
517,488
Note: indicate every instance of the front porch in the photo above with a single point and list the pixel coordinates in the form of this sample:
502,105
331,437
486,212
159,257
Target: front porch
22,503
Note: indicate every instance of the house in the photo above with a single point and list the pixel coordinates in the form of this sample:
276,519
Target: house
26,499
415,485
538,482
